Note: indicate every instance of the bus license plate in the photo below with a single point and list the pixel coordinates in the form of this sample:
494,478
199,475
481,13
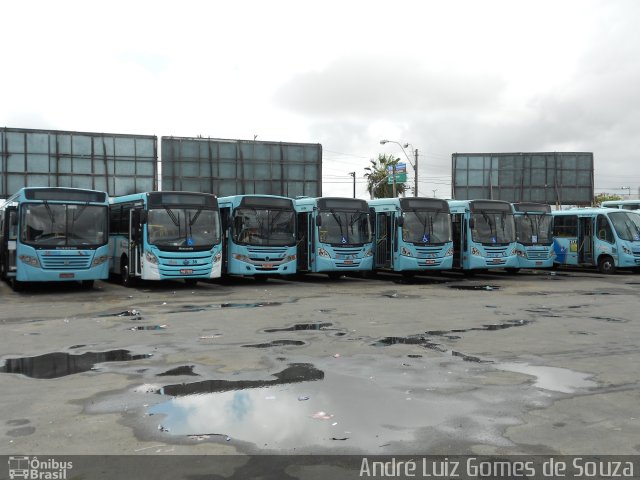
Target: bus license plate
348,262
430,262
67,275
495,260
186,271
267,265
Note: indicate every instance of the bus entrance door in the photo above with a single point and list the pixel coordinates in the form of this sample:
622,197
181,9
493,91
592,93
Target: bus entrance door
135,241
457,231
585,240
383,240
304,233
9,242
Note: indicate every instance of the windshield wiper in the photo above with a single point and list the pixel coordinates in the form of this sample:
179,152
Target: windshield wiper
339,222
491,226
174,219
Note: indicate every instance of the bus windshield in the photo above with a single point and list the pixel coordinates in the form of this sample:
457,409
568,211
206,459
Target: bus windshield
340,227
493,227
183,227
264,226
426,226
64,225
532,228
627,225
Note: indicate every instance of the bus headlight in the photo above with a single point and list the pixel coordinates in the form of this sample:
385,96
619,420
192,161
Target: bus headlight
449,252
99,260
218,257
151,258
29,260
476,252
405,252
242,258
520,253
290,258
323,253
369,253
626,250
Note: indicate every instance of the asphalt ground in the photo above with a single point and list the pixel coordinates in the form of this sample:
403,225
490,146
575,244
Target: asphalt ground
535,363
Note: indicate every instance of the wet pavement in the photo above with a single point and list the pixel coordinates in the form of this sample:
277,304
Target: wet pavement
438,364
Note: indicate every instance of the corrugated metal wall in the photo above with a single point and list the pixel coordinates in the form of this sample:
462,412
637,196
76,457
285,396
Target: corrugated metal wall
564,178
233,167
115,163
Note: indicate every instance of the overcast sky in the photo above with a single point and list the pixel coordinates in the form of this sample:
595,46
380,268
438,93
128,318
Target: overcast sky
444,76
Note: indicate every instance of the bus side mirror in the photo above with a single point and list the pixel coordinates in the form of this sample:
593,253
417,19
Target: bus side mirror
400,221
318,221
472,224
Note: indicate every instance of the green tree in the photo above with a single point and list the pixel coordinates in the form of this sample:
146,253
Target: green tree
377,173
603,197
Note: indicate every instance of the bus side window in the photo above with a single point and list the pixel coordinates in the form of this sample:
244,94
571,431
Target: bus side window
565,226
604,229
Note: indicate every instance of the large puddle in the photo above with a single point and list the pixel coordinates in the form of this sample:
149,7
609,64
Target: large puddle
60,364
341,410
551,378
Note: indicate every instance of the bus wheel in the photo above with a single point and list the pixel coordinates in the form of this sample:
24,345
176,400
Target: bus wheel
86,284
17,285
127,280
512,271
606,265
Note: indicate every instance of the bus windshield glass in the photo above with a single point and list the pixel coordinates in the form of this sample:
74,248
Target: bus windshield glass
64,225
340,227
183,227
426,226
264,226
493,227
627,225
534,228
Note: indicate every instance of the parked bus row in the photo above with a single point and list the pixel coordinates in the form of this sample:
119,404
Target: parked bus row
65,234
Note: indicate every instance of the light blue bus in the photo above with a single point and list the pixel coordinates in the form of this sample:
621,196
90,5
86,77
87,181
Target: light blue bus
165,236
333,235
484,235
412,234
259,235
534,235
54,234
603,237
623,204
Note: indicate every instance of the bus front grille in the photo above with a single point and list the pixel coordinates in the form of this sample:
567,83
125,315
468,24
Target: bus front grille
65,262
537,254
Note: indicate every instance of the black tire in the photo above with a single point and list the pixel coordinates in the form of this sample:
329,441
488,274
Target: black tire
606,265
17,285
127,280
86,284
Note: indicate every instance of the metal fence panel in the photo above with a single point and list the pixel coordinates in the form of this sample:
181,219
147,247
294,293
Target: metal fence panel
564,178
233,167
116,163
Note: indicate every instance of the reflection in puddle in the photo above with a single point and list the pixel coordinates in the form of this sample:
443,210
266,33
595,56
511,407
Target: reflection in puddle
182,370
349,409
475,287
58,364
295,373
215,306
300,326
276,343
551,378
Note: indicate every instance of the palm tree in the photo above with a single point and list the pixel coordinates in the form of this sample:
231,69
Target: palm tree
377,173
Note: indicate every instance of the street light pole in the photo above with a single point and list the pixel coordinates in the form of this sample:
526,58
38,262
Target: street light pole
353,174
414,165
627,188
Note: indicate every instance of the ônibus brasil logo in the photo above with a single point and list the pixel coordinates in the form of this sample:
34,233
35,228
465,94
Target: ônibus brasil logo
35,469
